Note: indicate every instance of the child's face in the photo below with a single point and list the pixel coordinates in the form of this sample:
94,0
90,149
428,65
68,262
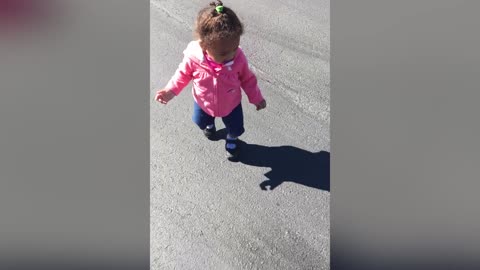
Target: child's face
223,50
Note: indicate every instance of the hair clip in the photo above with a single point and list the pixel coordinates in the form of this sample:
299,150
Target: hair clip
219,9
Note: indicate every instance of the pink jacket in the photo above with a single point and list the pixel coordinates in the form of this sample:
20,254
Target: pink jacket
217,93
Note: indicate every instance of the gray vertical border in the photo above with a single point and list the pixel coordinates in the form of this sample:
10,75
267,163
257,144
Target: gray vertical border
405,130
74,135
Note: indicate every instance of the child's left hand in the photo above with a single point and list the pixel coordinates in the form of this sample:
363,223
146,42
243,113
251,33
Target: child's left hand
261,105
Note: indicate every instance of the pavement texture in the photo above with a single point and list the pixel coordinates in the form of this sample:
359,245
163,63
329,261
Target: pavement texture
270,210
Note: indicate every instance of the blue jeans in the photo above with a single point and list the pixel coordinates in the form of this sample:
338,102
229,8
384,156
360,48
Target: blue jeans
233,122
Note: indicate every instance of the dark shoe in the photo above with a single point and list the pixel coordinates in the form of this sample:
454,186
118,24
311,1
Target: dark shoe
232,154
209,133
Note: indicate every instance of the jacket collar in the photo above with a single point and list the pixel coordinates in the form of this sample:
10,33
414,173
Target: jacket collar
195,52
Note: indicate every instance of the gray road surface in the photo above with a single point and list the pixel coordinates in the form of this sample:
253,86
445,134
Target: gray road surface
209,213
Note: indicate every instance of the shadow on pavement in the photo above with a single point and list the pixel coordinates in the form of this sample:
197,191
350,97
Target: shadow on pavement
288,164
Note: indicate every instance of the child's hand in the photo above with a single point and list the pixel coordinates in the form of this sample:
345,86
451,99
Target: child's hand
261,105
164,96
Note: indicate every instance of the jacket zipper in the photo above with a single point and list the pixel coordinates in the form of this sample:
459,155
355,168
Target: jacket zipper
215,80
216,92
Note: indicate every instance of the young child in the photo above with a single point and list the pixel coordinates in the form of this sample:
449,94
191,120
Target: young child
219,70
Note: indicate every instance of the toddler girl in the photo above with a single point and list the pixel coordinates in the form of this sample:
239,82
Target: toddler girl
219,71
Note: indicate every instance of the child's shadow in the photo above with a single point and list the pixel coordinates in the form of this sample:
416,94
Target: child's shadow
288,164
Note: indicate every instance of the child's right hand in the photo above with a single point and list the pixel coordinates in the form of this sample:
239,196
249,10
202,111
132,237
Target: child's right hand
164,96
261,105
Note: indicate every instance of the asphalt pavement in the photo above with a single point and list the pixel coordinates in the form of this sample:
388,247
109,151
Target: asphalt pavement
271,209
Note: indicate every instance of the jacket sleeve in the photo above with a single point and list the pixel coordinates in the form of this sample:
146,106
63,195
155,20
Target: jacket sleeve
182,77
249,83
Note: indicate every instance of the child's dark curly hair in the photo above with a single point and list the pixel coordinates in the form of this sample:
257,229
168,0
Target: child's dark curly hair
215,23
